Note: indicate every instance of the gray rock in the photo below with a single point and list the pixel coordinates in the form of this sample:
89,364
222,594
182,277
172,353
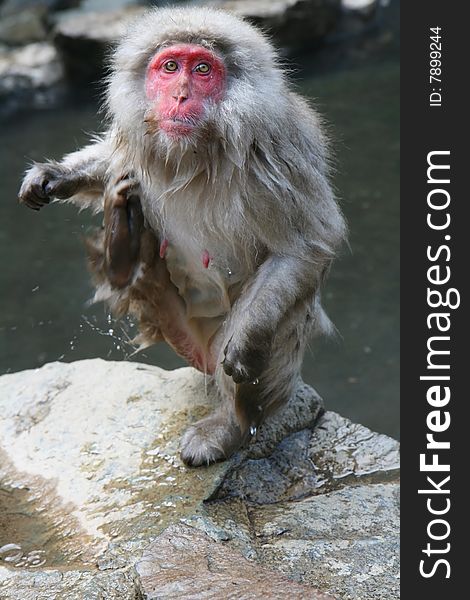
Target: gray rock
294,24
335,453
111,5
95,502
83,39
29,76
26,21
362,6
12,7
56,584
183,563
355,559
23,27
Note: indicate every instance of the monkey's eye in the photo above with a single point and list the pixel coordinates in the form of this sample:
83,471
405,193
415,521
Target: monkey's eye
203,68
170,66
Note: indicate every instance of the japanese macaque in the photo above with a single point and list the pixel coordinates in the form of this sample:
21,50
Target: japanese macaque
219,220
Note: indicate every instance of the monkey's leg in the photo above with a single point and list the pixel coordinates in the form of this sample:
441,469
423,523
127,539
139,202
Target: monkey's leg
124,224
280,285
80,177
244,406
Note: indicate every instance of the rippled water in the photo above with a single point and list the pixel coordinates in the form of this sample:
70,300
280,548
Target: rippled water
45,286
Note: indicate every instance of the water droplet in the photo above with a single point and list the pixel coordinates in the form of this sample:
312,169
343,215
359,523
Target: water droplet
252,430
35,289
110,331
229,272
11,552
36,558
255,382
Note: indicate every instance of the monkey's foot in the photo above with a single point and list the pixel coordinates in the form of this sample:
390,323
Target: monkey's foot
124,224
210,440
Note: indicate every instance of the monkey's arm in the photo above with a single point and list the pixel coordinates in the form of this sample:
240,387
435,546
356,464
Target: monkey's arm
279,284
79,178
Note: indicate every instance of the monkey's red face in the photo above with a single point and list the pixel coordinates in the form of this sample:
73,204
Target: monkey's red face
182,80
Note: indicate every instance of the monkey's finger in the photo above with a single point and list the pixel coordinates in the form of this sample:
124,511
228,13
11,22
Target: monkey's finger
34,195
241,375
31,201
227,367
38,188
236,372
37,208
238,376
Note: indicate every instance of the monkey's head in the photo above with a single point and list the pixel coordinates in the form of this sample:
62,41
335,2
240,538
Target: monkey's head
185,76
182,82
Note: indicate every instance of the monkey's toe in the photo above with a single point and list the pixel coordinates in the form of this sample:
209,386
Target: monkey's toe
208,441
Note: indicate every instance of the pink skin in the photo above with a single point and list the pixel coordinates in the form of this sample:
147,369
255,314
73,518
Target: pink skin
206,259
180,87
163,247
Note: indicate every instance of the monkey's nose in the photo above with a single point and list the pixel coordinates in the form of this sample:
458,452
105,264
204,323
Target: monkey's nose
181,92
180,96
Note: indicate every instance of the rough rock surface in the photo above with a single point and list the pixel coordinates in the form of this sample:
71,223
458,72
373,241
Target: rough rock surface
95,502
169,565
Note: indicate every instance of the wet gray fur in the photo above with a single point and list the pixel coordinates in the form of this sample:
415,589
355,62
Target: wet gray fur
252,182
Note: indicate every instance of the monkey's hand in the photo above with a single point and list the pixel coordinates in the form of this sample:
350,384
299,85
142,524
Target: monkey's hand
45,181
246,356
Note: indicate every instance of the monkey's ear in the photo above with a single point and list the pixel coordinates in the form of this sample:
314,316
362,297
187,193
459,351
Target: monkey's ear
124,223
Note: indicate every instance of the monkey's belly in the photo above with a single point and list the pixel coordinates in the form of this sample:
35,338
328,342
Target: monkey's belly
162,313
204,289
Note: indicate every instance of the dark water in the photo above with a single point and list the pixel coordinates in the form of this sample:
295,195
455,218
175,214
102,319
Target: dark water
45,287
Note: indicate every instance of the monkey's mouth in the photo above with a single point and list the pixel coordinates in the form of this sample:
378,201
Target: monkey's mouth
178,125
181,119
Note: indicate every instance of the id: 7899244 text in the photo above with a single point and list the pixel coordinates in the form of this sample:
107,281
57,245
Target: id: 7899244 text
435,66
